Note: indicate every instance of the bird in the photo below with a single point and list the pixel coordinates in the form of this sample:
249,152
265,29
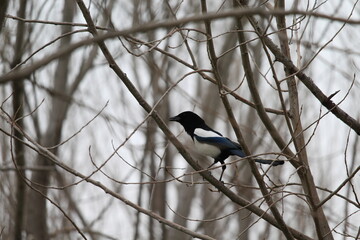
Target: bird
211,143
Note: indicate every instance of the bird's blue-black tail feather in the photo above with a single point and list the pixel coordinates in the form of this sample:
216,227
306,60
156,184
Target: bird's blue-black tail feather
240,153
273,163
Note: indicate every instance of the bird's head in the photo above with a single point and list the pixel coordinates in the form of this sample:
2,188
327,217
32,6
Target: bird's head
189,121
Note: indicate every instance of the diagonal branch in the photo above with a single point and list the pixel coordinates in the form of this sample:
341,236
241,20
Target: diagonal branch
307,81
213,59
319,218
132,89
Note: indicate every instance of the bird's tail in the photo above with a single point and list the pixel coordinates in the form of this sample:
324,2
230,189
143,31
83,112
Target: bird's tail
240,153
272,162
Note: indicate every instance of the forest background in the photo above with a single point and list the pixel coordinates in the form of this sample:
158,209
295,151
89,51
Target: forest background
87,88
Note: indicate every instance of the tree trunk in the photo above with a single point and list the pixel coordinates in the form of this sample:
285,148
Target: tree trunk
37,212
18,110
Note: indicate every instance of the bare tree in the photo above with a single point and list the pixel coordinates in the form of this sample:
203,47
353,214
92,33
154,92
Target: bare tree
87,88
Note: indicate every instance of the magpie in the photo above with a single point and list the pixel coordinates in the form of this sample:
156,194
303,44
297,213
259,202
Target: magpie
211,143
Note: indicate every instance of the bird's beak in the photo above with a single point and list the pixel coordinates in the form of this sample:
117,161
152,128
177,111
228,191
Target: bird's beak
176,118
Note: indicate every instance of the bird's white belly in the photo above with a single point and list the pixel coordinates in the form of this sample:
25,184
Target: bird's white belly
206,149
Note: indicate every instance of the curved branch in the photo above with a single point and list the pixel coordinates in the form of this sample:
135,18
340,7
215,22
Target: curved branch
307,81
205,174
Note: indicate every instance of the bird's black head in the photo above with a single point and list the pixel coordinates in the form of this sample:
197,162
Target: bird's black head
189,121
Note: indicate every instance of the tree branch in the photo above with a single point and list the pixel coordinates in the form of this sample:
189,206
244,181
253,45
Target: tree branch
221,187
306,80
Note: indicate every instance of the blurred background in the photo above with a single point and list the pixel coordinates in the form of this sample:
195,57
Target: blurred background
81,111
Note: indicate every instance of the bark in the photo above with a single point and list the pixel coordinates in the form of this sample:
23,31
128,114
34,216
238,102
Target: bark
3,7
18,110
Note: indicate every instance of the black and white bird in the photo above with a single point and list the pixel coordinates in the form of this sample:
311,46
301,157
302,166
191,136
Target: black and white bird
211,143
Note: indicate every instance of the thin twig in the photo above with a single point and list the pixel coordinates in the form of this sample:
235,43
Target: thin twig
221,187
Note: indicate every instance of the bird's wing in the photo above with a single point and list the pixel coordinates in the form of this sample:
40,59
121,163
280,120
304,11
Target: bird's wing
214,139
227,146
206,133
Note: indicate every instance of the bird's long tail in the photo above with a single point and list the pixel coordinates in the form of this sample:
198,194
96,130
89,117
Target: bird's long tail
240,153
272,162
